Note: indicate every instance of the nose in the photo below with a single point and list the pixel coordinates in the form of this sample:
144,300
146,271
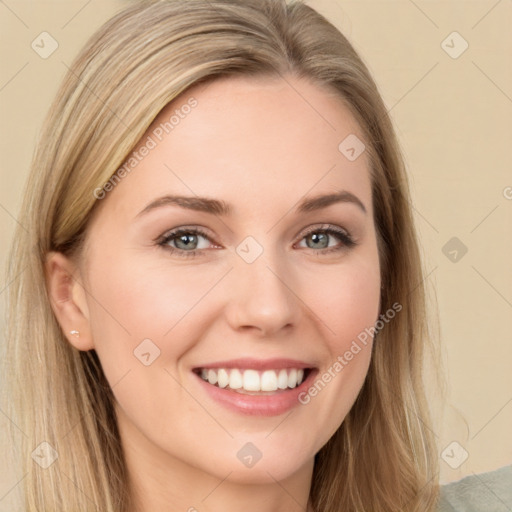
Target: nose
261,298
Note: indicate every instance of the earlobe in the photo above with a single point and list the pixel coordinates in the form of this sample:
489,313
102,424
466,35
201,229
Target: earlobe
68,300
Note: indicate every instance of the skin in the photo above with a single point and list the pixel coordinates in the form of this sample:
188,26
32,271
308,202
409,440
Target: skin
261,145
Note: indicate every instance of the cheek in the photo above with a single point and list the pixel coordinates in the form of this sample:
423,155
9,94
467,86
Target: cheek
137,300
346,302
357,304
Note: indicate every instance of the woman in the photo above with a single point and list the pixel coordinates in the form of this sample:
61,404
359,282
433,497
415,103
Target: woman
220,301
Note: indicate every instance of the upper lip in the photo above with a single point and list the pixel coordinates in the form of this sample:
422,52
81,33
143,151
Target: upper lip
258,364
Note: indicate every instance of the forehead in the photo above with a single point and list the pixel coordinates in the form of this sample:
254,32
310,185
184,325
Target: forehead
269,113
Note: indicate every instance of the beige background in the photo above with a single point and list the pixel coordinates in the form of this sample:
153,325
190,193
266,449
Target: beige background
453,117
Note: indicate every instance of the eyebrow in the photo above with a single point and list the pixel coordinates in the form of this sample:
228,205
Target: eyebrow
219,207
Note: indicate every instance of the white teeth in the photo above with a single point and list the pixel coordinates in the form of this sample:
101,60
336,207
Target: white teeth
223,378
282,380
235,379
254,380
292,378
212,377
251,380
269,381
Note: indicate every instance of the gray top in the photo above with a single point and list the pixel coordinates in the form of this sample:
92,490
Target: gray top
486,492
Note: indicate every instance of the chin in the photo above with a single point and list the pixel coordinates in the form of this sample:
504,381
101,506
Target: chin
269,471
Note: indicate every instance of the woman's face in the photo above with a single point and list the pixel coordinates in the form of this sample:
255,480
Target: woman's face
251,291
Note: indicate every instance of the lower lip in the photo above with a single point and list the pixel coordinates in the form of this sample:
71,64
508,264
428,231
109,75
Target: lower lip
255,405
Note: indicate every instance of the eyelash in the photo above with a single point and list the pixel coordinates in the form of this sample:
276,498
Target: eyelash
163,241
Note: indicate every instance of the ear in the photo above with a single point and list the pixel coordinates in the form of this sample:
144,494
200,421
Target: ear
68,299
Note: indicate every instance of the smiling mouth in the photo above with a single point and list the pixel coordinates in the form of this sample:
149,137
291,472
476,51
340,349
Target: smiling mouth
254,382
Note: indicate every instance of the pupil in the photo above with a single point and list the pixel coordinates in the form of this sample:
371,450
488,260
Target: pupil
186,239
317,238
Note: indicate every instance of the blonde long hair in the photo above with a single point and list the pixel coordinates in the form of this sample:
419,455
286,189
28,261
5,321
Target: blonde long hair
383,457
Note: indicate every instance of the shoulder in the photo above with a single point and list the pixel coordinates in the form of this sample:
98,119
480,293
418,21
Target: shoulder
485,492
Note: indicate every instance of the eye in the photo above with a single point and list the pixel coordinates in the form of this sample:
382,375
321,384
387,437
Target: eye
185,241
320,237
